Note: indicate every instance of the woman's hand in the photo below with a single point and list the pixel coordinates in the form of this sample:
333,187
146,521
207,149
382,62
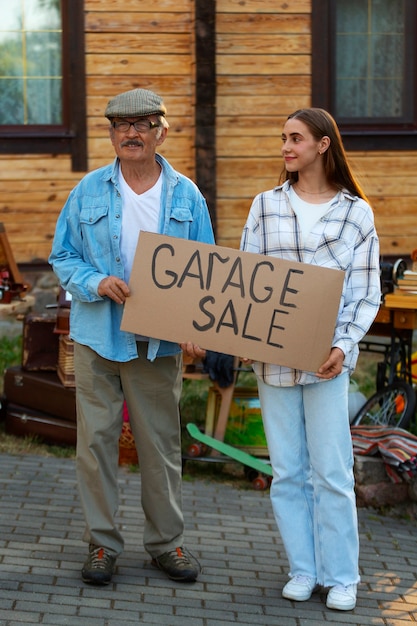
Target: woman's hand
333,366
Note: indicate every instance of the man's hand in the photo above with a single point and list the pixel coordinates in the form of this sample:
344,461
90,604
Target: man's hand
333,366
192,350
114,288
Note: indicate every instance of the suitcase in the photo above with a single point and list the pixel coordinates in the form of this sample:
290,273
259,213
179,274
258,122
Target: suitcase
63,312
42,391
40,343
23,421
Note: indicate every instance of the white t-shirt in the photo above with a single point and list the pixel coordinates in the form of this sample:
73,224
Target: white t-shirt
307,214
140,212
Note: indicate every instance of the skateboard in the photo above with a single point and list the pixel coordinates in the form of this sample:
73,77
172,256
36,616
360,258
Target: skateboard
262,468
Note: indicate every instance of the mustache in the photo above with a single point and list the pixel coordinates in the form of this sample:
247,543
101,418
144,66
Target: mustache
131,142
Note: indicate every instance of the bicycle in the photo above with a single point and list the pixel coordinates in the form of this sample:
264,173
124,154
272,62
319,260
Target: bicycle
394,402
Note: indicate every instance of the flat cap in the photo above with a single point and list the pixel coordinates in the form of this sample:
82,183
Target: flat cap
135,103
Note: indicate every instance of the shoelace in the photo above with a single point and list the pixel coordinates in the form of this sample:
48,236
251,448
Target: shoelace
99,558
300,578
346,589
179,557
182,560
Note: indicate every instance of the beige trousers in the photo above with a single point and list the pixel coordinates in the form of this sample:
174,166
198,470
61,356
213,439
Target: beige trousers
152,391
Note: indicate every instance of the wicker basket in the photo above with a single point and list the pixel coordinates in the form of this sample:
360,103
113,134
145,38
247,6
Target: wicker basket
65,369
127,448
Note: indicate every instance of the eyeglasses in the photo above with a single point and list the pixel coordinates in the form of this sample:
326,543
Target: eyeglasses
141,126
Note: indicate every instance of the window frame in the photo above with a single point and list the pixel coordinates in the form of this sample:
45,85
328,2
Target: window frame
70,136
363,135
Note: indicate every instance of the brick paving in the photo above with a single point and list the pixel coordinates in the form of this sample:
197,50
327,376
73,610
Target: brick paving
230,530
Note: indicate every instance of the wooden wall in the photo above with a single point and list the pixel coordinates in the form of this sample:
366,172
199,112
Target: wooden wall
263,66
129,43
263,74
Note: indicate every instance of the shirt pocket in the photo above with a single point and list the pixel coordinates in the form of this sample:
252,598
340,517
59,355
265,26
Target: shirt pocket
180,222
334,253
95,229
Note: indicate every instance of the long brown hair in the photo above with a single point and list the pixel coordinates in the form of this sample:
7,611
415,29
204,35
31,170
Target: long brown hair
336,166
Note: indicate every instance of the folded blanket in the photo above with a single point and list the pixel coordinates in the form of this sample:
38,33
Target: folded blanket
397,446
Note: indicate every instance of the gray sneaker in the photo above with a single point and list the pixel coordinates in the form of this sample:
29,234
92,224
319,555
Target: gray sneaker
99,566
177,565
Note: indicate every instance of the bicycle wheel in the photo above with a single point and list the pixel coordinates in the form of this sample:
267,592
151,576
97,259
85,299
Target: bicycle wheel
393,406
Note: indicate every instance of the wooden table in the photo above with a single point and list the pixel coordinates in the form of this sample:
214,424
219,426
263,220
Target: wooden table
396,321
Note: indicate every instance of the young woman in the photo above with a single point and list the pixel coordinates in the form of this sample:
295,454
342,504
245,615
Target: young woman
318,215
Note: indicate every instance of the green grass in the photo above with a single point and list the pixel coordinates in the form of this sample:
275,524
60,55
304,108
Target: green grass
10,354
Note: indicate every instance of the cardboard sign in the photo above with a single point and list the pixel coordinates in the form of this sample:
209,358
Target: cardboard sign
238,303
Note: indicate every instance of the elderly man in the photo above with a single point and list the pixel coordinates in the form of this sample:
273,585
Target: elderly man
92,256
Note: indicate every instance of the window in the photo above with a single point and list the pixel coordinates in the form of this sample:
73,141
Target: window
42,79
364,56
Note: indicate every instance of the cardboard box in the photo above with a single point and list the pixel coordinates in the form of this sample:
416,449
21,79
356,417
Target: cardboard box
238,303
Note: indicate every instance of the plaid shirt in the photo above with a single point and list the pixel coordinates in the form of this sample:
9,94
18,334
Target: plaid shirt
345,239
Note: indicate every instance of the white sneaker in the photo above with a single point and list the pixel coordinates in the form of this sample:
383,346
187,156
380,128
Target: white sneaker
299,588
342,598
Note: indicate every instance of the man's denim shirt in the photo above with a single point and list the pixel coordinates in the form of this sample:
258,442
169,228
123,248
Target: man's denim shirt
86,249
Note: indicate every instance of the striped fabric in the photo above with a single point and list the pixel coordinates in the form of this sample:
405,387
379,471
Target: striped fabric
343,239
397,446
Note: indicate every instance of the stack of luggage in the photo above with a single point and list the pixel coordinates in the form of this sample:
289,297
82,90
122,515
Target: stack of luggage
38,399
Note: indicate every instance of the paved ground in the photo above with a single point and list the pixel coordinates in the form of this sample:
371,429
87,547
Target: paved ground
230,530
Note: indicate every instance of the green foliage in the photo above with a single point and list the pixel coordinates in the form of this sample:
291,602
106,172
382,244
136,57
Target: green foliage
10,351
194,400
365,373
10,354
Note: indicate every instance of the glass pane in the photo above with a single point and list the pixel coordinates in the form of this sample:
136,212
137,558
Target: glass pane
351,98
351,61
370,58
44,101
351,17
39,13
11,101
31,51
387,16
11,56
11,16
43,54
386,98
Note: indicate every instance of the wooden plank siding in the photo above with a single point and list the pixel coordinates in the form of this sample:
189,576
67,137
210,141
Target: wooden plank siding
263,74
127,46
260,56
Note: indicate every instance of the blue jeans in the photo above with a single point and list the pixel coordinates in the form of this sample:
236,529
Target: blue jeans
312,492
